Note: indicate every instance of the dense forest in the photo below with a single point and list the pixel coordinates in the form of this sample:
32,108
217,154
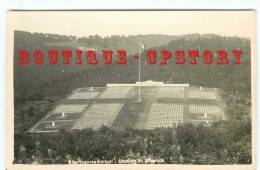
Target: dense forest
222,143
37,88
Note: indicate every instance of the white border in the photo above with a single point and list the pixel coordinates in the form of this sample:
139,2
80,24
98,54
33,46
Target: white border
105,4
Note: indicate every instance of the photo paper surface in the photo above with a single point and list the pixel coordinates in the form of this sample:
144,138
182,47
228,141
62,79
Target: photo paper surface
127,89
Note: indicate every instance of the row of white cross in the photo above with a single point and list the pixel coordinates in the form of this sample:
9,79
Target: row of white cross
171,92
164,115
202,94
98,115
204,108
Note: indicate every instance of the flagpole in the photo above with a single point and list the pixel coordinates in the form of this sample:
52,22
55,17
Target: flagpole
139,90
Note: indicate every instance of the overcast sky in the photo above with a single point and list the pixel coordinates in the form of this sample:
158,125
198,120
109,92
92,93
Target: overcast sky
229,23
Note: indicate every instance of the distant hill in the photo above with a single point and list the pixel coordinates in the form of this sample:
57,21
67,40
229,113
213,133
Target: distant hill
114,42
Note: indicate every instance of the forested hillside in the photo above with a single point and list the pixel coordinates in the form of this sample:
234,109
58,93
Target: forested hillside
35,82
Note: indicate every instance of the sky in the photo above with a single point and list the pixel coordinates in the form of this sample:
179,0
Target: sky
106,23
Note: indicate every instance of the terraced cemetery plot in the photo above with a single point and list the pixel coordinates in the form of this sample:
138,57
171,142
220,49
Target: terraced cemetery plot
115,92
59,116
164,115
202,94
202,116
49,126
88,89
197,122
171,92
84,95
98,115
118,107
204,108
69,108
